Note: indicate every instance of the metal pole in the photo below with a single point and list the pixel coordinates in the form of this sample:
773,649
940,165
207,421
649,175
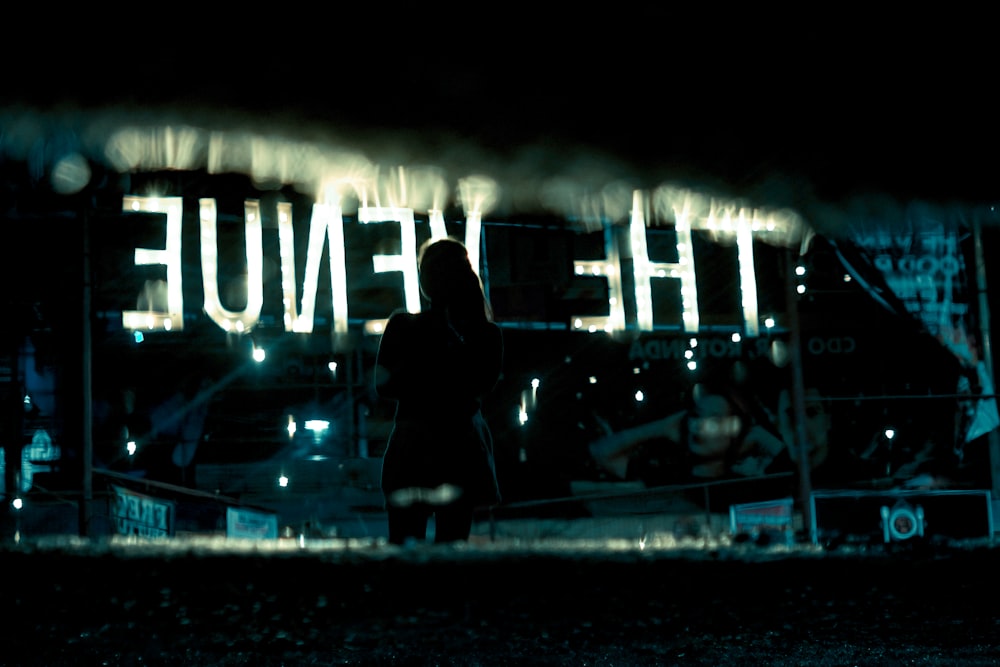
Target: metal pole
984,332
87,418
798,393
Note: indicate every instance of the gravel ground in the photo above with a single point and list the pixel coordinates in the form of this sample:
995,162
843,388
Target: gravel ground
370,604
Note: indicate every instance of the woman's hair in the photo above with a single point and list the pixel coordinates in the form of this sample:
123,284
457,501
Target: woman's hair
448,281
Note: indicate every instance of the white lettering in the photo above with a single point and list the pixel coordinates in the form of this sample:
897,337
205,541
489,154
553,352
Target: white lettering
609,268
686,211
229,320
173,317
406,260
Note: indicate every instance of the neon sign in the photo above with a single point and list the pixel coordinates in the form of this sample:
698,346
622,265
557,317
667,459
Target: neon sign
683,210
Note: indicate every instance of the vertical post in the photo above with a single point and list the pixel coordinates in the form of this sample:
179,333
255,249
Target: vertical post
984,333
798,392
87,418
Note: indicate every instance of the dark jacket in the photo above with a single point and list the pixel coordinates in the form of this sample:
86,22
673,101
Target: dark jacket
438,379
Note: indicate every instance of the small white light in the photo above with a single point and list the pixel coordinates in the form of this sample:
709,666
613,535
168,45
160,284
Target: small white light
535,382
317,425
769,322
890,433
332,366
639,396
592,379
736,338
259,354
131,447
692,365
800,270
283,481
801,289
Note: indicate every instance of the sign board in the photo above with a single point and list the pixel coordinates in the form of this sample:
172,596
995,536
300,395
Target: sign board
138,515
251,524
897,515
754,519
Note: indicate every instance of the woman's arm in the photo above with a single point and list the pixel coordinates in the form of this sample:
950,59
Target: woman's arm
613,451
390,357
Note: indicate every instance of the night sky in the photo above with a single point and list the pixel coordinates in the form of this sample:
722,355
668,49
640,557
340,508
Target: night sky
812,112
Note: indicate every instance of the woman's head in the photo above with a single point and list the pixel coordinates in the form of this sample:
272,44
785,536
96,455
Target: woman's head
448,280
713,425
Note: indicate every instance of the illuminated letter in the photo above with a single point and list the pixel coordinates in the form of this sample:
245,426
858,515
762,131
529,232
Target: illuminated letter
683,270
173,317
615,320
748,275
229,320
473,233
326,225
438,230
406,261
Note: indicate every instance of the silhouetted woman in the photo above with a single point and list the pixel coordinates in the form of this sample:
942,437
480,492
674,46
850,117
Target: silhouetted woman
438,365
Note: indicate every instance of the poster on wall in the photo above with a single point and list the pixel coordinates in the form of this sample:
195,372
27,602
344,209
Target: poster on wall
139,515
927,266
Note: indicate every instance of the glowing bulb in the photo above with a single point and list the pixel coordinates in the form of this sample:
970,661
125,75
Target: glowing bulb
259,354
131,447
17,503
292,426
769,322
282,481
535,382
890,433
692,365
801,289
639,396
317,425
800,270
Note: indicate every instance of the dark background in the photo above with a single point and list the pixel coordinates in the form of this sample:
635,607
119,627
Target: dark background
839,116
814,110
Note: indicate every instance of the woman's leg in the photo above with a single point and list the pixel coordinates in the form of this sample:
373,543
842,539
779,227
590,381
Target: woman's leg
407,523
452,522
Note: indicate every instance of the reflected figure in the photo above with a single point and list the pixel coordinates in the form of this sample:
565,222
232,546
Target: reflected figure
817,426
710,440
833,462
438,365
